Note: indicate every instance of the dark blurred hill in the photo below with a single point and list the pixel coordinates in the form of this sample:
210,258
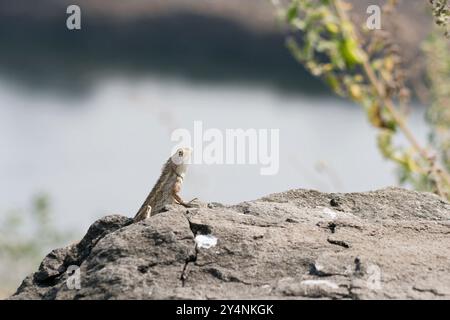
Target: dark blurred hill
221,40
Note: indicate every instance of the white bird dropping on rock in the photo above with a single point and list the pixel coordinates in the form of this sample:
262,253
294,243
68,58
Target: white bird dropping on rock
205,241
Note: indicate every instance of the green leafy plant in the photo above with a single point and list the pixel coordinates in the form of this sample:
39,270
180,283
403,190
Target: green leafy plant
437,53
441,13
366,67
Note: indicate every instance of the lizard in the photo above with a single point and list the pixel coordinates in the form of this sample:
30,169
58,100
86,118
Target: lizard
167,188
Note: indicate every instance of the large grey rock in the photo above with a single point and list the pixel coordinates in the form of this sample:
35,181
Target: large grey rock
390,243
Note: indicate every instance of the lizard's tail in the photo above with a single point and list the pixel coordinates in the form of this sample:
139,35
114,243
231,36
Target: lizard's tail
143,213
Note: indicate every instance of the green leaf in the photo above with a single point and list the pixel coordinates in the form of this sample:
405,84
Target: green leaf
351,52
292,12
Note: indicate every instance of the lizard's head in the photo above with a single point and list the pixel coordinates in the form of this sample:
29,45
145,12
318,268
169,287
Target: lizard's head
181,158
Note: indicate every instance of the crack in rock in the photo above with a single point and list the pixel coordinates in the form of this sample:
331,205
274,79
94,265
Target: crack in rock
195,229
329,225
215,272
314,271
338,243
432,291
185,272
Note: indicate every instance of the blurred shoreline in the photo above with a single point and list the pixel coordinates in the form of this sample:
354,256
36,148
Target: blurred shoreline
205,41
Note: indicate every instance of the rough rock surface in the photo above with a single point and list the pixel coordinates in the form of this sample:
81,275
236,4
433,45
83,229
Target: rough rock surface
298,244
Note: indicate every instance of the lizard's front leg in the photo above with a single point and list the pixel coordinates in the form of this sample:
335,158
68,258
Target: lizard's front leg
175,194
